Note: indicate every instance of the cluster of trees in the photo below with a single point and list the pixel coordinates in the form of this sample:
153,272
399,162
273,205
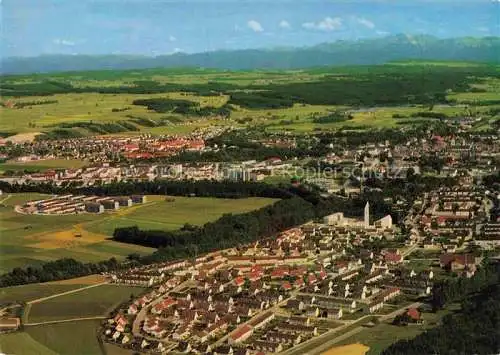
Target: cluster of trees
333,118
429,114
233,153
163,105
33,103
261,100
184,107
201,188
229,230
59,133
143,121
453,290
100,128
60,269
474,330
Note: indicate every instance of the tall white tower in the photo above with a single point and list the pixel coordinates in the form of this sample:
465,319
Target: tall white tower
367,215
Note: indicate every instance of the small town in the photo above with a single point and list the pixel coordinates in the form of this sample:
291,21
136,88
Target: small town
256,177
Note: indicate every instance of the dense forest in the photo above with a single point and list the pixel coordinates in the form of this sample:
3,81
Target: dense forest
474,330
60,269
453,290
363,86
200,188
229,230
186,107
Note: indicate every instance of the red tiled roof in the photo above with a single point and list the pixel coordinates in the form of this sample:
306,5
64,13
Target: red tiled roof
413,313
241,331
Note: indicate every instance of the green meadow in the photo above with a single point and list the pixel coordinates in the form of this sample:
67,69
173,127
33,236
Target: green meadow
106,97
34,239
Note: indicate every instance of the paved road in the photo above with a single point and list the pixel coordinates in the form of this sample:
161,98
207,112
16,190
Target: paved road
143,312
64,320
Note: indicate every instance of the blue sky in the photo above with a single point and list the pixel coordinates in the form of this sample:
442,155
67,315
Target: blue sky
154,27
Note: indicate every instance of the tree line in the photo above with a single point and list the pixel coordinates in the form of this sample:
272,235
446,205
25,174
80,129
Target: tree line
362,86
297,205
473,330
60,269
456,289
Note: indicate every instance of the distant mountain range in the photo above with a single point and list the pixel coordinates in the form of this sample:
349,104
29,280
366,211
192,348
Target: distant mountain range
367,51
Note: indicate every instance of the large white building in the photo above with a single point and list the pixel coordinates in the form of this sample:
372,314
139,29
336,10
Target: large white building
338,219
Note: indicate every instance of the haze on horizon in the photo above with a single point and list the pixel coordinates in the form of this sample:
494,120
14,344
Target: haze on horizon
156,27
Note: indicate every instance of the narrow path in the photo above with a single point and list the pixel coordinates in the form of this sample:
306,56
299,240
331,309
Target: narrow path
65,320
323,343
66,293
5,199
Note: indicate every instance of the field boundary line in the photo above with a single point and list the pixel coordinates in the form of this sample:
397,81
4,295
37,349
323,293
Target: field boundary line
38,300
65,320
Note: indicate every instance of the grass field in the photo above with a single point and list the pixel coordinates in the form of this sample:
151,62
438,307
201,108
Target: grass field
43,164
31,292
67,338
34,239
352,349
164,215
384,334
95,301
89,107
22,343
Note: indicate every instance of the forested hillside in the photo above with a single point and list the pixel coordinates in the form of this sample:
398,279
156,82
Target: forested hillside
367,51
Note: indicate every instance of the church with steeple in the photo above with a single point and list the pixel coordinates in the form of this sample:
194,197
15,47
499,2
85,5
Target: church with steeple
338,219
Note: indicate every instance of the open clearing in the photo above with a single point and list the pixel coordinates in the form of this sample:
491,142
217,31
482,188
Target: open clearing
22,343
22,137
61,339
46,164
26,293
34,239
165,215
352,349
91,302
384,334
84,280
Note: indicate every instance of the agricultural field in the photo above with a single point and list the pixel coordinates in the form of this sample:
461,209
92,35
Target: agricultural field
22,343
85,103
88,107
91,302
42,165
60,338
26,293
31,292
34,239
171,215
384,334
352,349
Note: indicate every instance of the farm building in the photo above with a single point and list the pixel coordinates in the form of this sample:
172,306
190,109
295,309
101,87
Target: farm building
110,204
123,201
9,323
138,198
93,207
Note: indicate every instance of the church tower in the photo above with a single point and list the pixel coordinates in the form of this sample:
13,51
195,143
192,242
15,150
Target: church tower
367,215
